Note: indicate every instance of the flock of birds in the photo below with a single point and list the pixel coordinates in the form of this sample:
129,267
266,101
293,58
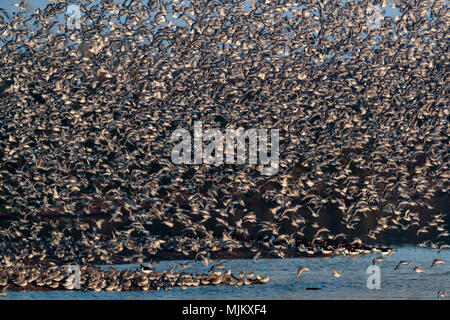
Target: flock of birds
54,277
87,116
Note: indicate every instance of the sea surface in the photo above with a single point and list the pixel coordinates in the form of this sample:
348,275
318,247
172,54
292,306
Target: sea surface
403,283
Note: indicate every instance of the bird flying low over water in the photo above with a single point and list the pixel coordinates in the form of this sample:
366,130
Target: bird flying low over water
437,261
337,274
256,257
375,260
402,263
443,246
218,266
300,270
419,269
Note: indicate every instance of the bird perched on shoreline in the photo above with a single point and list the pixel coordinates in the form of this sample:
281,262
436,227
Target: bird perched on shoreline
145,269
442,294
302,269
261,278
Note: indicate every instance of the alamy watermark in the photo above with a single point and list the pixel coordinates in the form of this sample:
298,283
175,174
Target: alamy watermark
73,19
374,279
213,153
74,279
374,16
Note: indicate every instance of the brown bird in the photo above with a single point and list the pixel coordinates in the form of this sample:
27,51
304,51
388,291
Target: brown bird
301,269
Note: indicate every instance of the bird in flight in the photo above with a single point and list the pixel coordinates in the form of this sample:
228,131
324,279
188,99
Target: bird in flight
375,260
402,263
437,261
337,274
302,269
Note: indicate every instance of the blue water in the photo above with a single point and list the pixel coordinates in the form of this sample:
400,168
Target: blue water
283,284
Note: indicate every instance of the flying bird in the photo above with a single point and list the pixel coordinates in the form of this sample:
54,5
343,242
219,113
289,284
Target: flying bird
302,269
